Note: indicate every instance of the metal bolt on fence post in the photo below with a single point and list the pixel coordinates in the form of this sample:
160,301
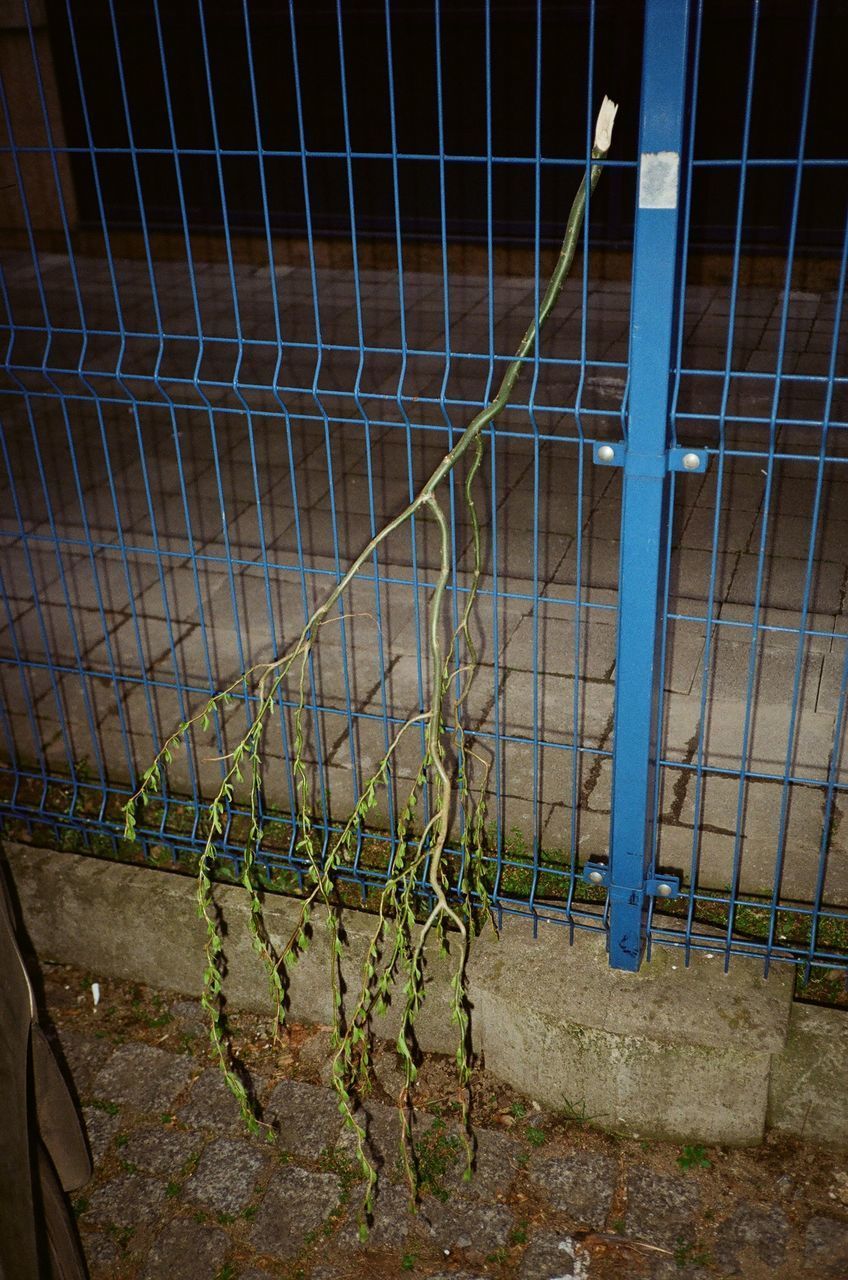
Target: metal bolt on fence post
691,461
606,453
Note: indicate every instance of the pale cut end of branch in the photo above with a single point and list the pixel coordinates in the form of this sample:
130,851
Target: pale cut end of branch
603,128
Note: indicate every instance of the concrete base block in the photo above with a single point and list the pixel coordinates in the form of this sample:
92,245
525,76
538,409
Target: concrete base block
139,925
808,1096
691,1054
668,1052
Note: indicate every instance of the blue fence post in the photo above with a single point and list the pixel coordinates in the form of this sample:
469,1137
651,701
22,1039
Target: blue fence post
646,485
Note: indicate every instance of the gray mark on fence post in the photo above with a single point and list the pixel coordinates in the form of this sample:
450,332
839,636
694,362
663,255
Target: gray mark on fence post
658,172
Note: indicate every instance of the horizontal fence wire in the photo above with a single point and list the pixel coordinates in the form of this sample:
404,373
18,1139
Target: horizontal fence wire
237,338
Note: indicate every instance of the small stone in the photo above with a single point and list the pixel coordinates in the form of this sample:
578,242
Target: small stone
826,1246
128,1201
660,1207
186,1250
295,1203
468,1225
211,1105
226,1175
100,1129
581,1185
548,1254
160,1150
307,1116
751,1230
139,1076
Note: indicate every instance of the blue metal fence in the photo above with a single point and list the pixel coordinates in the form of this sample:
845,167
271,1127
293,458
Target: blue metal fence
205,414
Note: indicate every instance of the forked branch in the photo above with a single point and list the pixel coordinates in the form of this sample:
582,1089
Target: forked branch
418,883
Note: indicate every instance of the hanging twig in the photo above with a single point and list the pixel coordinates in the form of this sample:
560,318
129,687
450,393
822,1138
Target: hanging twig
398,945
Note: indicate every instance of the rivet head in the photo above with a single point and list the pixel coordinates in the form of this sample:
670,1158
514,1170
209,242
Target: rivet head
606,453
664,890
596,877
691,461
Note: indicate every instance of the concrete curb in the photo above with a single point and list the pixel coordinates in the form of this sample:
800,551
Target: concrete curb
692,1054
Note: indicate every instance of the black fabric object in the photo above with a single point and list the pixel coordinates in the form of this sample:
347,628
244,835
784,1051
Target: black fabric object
43,1152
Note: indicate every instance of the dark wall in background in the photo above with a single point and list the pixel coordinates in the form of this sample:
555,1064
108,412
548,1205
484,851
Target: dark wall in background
555,126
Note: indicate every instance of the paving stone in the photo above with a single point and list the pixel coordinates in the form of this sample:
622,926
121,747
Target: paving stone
186,1250
463,1224
762,812
296,1201
127,1201
137,1075
84,1056
388,1070
211,1105
734,528
100,1252
784,582
549,1255
559,646
826,1246
160,1150
495,1166
456,1275
392,1222
307,1116
100,1129
581,1185
382,1142
316,1054
226,1175
751,1231
660,1207
683,656
554,706
806,1087
190,1014
668,1269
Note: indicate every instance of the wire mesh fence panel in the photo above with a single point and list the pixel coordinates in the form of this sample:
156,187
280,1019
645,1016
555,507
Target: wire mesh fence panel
752,777
261,265
245,319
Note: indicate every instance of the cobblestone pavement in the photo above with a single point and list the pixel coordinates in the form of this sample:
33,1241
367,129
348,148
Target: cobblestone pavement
181,1192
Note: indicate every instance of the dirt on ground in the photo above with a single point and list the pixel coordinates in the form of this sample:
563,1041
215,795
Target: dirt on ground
553,1195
